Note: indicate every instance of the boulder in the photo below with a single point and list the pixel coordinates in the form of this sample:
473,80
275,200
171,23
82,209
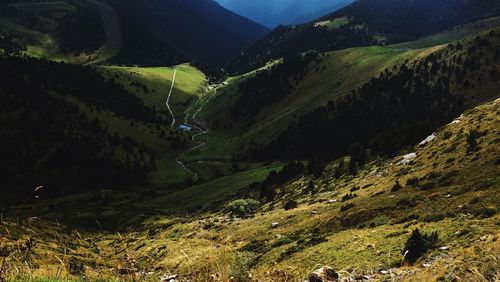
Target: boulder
324,274
169,278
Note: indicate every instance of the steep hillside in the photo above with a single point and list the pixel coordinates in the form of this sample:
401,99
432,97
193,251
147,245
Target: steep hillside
300,97
358,223
151,33
272,13
72,30
365,22
68,129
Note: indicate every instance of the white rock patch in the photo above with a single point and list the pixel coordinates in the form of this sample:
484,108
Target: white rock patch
408,158
427,140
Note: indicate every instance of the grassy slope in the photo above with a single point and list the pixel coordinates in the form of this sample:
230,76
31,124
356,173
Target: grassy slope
453,34
337,74
41,45
368,237
189,85
44,45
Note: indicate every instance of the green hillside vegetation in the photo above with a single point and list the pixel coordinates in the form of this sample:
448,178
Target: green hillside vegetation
366,141
60,31
152,85
356,223
116,129
364,23
330,76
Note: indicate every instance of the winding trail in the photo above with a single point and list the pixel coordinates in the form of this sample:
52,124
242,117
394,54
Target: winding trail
168,99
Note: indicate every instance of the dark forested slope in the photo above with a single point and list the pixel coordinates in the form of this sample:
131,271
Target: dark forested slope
365,22
47,140
398,108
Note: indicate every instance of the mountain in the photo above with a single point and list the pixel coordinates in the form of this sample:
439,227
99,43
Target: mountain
318,14
362,145
322,103
272,13
159,32
73,128
365,22
201,29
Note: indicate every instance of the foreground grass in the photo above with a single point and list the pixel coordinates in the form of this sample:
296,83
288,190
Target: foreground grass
455,195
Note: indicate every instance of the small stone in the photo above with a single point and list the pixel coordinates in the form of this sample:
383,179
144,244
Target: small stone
444,248
324,274
169,278
384,272
427,265
274,224
332,201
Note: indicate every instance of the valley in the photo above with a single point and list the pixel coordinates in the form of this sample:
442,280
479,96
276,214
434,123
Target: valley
360,146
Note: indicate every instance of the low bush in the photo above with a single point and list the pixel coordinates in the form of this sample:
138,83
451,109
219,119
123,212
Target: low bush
348,197
418,244
412,181
486,212
347,207
256,246
396,187
290,204
243,207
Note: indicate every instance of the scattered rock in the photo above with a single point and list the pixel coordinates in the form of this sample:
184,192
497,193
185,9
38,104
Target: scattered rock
447,196
169,278
384,271
426,265
332,201
275,224
444,248
324,274
427,140
408,158
314,212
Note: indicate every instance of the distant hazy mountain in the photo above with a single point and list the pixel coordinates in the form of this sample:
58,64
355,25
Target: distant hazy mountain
274,12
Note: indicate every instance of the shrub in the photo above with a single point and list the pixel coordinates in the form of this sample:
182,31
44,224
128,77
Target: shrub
241,264
348,197
412,181
75,267
290,204
380,220
243,207
418,244
347,207
256,246
396,187
435,217
354,189
486,212
472,140
282,241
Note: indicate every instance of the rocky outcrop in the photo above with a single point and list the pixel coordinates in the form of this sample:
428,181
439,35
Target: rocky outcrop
324,274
